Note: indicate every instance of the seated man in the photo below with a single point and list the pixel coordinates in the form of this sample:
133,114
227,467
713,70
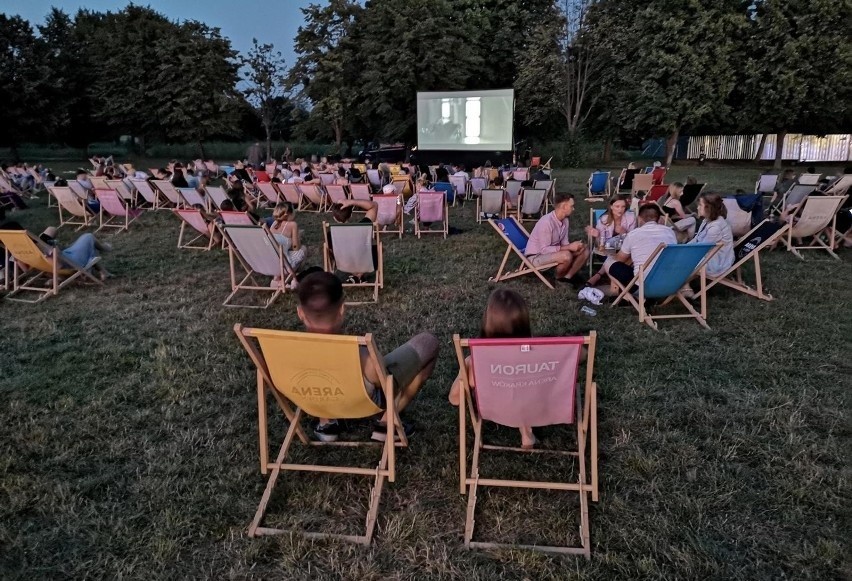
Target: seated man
639,244
321,309
549,243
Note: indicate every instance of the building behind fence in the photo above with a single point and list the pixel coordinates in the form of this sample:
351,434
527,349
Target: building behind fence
798,147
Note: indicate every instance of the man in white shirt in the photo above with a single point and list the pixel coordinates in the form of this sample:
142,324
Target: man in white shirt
296,178
640,244
460,172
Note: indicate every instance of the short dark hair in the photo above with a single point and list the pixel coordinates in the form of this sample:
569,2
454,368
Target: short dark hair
320,295
562,197
645,211
340,213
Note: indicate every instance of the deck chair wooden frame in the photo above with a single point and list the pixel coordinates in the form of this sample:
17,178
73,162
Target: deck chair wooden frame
587,442
246,281
313,198
461,185
432,197
168,197
812,218
390,204
187,218
72,205
143,188
639,280
490,201
642,182
526,267
28,250
330,262
114,211
271,352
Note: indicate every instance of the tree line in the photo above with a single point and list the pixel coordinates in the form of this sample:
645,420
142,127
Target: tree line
610,69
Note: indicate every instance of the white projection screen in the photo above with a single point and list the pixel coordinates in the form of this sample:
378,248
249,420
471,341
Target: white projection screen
465,120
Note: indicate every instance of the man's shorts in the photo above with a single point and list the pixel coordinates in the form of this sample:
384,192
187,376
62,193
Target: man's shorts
544,258
404,364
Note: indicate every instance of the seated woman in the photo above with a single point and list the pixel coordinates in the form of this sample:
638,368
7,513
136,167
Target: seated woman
285,230
684,224
85,251
714,229
617,221
340,178
506,316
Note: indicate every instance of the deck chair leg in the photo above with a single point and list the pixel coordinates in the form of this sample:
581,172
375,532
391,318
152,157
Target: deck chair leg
262,425
470,520
376,494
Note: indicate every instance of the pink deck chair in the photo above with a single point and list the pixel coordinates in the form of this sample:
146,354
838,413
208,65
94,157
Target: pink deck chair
168,193
292,194
313,198
78,189
122,189
114,211
359,191
195,220
521,174
336,193
460,185
257,252
216,194
70,203
327,179
269,192
529,382
191,198
389,219
431,208
144,189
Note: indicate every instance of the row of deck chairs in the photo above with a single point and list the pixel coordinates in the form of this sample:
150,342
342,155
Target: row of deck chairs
301,371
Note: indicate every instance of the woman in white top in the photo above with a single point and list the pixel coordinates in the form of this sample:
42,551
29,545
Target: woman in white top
715,229
617,221
285,230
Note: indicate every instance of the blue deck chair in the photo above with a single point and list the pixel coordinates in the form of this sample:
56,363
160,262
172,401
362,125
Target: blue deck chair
448,189
599,185
663,276
516,237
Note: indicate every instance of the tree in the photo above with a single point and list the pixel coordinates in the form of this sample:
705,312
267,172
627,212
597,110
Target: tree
265,69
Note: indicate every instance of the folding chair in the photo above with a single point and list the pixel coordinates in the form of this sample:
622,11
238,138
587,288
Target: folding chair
313,198
811,218
550,191
291,194
460,186
599,185
359,191
144,189
516,237
260,176
320,375
118,214
642,182
841,186
513,192
349,248
217,195
766,184
195,220
168,192
389,219
529,382
663,276
29,251
521,173
747,249
255,249
326,179
336,193
121,188
190,198
269,192
658,174
490,203
656,192
690,194
809,179
531,203
477,185
99,182
374,178
403,184
78,190
68,201
431,208
448,189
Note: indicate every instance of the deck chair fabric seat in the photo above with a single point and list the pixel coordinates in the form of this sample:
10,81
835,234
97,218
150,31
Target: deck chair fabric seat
529,382
521,174
291,194
389,219
114,208
811,219
642,183
739,219
217,195
69,203
531,204
256,251
431,208
354,249
359,191
313,198
190,198
766,184
491,204
336,193
269,192
599,185
321,375
513,192
144,189
194,219
169,193
516,237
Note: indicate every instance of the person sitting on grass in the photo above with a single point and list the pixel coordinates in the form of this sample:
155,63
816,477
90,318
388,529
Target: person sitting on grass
341,212
506,316
615,222
549,243
321,309
640,244
84,252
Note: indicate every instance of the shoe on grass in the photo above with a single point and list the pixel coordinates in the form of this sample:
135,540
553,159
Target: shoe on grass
380,431
327,432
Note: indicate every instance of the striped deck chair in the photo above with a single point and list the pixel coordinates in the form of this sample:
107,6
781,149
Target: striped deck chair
431,208
599,185
516,237
56,269
815,217
360,191
521,173
320,375
348,248
531,204
663,277
513,192
460,185
217,195
269,193
642,182
765,184
115,213
747,249
389,219
144,189
336,193
168,194
490,204
530,382
313,198
190,198
73,205
257,252
196,221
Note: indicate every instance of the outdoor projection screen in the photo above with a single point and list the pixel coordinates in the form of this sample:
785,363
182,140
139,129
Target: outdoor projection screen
465,120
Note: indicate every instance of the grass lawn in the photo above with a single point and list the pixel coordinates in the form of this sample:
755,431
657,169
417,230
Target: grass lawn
129,444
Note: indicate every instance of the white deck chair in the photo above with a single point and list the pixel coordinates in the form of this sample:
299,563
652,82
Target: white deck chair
531,203
809,179
73,205
348,248
217,195
491,204
737,218
766,184
841,186
144,189
375,179
257,252
513,191
815,215
122,189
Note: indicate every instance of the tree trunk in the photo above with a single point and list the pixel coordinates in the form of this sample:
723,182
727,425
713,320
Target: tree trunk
268,129
201,149
671,145
779,149
760,148
607,150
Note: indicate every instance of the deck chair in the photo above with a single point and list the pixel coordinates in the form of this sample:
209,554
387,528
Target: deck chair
521,173
766,184
144,189
403,184
116,211
530,382
261,176
190,198
269,193
359,191
326,179
690,194
69,203
811,218
460,185
663,276
169,194
256,251
448,189
599,185
490,203
122,189
320,375
195,220
28,250
78,190
531,203
642,182
389,219
477,185
431,207
656,192
737,218
747,249
291,194
313,198
349,248
513,192
516,237
658,174
809,179
841,186
795,195
336,193
550,188
374,178
217,195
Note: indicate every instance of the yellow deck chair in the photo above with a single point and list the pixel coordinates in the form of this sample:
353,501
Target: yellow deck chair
29,250
320,375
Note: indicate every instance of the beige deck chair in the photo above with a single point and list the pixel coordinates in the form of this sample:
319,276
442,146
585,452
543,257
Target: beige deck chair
550,187
78,189
122,189
313,198
841,186
809,179
114,212
531,203
269,192
811,218
766,184
642,182
71,204
169,194
513,192
737,218
144,189
195,220
320,375
490,203
348,248
190,198
257,252
217,195
28,250
99,182
530,382
461,186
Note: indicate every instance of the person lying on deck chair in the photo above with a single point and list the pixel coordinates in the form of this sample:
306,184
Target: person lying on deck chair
549,243
85,251
321,309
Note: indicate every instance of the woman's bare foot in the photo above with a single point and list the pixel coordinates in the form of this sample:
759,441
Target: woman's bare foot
528,440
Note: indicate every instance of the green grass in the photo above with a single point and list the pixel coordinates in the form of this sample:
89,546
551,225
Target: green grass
129,446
